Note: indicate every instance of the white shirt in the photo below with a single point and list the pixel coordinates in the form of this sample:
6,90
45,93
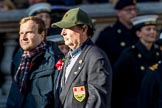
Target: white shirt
74,56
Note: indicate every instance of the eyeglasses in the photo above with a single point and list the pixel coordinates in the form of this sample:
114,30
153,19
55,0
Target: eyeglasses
129,10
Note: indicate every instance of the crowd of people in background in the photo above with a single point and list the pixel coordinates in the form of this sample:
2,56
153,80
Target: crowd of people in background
24,4
131,46
121,69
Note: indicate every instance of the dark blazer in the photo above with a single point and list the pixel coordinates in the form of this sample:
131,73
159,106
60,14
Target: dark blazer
114,39
151,89
89,82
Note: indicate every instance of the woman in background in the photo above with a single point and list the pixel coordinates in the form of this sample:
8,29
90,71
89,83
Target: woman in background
132,64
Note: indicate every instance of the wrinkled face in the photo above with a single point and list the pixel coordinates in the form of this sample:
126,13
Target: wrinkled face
127,13
74,36
45,17
29,36
147,34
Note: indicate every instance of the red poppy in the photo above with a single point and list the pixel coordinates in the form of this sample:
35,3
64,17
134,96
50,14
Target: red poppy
59,64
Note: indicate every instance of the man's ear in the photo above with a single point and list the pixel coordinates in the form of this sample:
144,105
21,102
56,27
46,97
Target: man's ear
43,35
118,13
85,28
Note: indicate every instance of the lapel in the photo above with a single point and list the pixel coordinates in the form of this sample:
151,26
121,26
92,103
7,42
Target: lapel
64,70
61,75
75,71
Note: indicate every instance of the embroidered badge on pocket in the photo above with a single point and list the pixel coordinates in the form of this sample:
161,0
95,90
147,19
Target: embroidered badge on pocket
79,93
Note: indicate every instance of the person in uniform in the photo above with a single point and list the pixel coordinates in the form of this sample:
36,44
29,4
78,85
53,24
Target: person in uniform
151,86
131,66
86,77
43,11
113,39
150,95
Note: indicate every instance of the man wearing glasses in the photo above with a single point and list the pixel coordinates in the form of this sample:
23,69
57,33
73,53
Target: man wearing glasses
113,39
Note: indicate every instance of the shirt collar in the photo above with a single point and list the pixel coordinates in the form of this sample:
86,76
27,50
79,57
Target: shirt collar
78,50
75,52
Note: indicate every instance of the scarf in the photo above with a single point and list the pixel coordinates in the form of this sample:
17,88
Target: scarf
23,72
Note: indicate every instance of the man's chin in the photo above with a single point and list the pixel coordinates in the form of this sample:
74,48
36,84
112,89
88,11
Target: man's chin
66,43
26,48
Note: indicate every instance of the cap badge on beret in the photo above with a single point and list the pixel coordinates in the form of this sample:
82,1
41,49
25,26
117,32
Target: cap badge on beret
150,22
